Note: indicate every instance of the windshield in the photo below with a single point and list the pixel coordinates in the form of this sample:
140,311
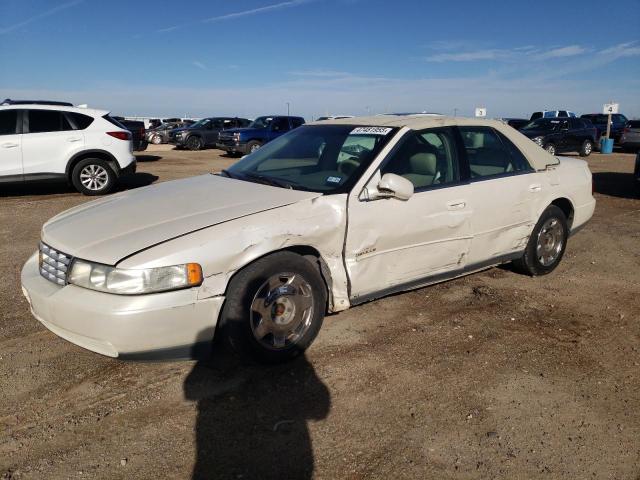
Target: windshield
542,124
318,158
199,123
261,122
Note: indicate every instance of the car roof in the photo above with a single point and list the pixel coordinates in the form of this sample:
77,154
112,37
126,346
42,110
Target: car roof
37,106
537,156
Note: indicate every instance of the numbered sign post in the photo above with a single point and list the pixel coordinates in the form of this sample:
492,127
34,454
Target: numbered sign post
609,109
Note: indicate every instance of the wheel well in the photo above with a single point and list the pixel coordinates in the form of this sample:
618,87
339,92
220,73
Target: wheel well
566,207
313,256
93,154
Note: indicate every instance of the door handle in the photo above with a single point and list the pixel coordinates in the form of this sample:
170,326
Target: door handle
456,205
536,187
74,139
10,145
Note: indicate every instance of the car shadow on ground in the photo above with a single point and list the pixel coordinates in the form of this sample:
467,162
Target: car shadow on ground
252,419
127,182
148,158
615,184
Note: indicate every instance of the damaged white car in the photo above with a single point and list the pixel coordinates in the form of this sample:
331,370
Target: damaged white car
323,218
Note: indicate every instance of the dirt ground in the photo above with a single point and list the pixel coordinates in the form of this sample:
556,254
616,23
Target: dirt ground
495,375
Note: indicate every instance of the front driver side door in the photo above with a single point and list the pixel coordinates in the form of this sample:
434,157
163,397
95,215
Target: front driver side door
392,243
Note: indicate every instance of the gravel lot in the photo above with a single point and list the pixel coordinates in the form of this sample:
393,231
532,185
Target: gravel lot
495,375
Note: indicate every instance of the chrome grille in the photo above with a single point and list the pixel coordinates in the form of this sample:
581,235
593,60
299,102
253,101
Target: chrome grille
54,264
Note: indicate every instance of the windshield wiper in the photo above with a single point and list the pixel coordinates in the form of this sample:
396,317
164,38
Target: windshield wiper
276,182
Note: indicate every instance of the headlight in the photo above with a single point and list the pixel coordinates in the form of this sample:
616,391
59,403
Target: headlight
539,140
236,136
124,281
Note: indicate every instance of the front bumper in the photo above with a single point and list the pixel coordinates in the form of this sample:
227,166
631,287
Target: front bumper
233,147
162,325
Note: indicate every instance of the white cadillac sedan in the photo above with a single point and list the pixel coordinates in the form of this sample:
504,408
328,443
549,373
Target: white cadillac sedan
328,216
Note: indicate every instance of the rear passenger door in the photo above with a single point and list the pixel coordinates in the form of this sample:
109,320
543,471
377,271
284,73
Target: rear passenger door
10,145
48,142
503,187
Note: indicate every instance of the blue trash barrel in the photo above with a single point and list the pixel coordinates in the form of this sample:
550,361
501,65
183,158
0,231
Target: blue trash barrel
606,145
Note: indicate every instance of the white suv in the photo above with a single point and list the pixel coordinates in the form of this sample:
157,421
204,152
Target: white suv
55,140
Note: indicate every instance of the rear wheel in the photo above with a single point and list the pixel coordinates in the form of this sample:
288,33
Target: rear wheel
93,176
156,140
586,149
274,307
194,143
546,245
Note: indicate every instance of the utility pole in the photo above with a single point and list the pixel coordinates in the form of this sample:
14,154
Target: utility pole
455,112
287,109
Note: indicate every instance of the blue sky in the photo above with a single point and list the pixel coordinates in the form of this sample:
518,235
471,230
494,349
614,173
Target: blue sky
249,57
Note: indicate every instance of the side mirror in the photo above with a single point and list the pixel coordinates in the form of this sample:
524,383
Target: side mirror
391,186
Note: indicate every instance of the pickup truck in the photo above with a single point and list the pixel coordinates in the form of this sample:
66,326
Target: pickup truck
566,134
262,130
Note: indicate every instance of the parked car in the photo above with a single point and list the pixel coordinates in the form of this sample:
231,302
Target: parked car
551,114
333,117
599,120
558,135
259,253
516,123
205,132
42,140
161,134
636,173
630,138
138,133
262,130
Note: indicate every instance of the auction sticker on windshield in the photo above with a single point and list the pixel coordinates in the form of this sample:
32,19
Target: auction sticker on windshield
371,131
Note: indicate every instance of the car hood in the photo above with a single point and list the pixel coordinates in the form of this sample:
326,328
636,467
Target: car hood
110,229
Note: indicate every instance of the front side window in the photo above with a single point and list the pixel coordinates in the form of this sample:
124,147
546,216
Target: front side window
319,158
427,159
8,122
261,122
488,155
47,121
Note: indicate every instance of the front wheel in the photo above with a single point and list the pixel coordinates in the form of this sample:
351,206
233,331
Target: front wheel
156,140
550,148
274,307
93,176
252,146
546,245
586,149
194,143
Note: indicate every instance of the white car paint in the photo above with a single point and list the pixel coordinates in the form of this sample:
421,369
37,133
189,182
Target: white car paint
367,247
47,154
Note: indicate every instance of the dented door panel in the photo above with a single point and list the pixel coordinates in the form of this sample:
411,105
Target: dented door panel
391,242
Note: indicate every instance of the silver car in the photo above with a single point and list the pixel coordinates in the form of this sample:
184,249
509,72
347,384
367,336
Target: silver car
630,138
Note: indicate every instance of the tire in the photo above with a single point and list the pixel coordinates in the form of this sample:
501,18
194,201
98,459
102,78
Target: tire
156,140
194,143
547,238
292,319
93,176
252,146
586,149
550,148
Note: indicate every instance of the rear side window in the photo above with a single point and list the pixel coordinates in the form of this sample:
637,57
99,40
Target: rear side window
633,124
79,121
113,121
47,121
280,124
489,155
8,122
